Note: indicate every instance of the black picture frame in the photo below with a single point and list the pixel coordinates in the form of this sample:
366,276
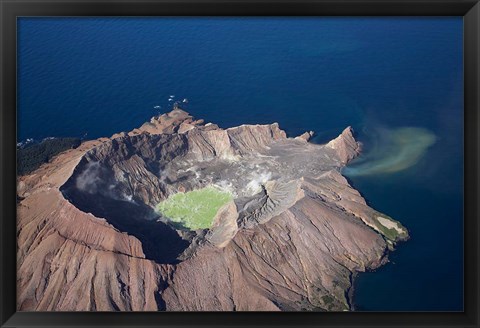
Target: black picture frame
10,10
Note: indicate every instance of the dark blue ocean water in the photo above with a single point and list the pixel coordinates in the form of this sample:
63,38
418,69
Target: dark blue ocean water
99,76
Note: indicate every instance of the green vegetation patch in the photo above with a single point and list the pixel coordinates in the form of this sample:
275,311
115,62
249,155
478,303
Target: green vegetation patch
390,233
31,157
194,209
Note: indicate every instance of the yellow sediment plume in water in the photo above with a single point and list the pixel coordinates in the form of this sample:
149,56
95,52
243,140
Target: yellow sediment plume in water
399,149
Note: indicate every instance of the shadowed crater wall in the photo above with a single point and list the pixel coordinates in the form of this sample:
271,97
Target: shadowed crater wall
121,181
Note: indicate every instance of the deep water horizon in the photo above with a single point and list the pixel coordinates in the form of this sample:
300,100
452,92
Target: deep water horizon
396,80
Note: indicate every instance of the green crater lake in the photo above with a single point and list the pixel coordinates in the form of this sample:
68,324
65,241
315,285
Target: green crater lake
195,209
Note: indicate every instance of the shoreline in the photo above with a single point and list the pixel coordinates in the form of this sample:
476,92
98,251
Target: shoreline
351,291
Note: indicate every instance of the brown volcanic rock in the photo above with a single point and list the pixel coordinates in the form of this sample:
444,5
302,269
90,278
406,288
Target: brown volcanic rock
309,250
69,260
89,238
345,145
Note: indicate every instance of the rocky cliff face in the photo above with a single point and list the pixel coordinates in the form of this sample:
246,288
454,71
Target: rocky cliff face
89,237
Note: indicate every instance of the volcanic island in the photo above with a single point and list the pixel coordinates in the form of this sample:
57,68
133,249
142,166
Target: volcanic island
182,215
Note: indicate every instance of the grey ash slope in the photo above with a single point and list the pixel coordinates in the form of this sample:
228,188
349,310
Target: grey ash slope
290,240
